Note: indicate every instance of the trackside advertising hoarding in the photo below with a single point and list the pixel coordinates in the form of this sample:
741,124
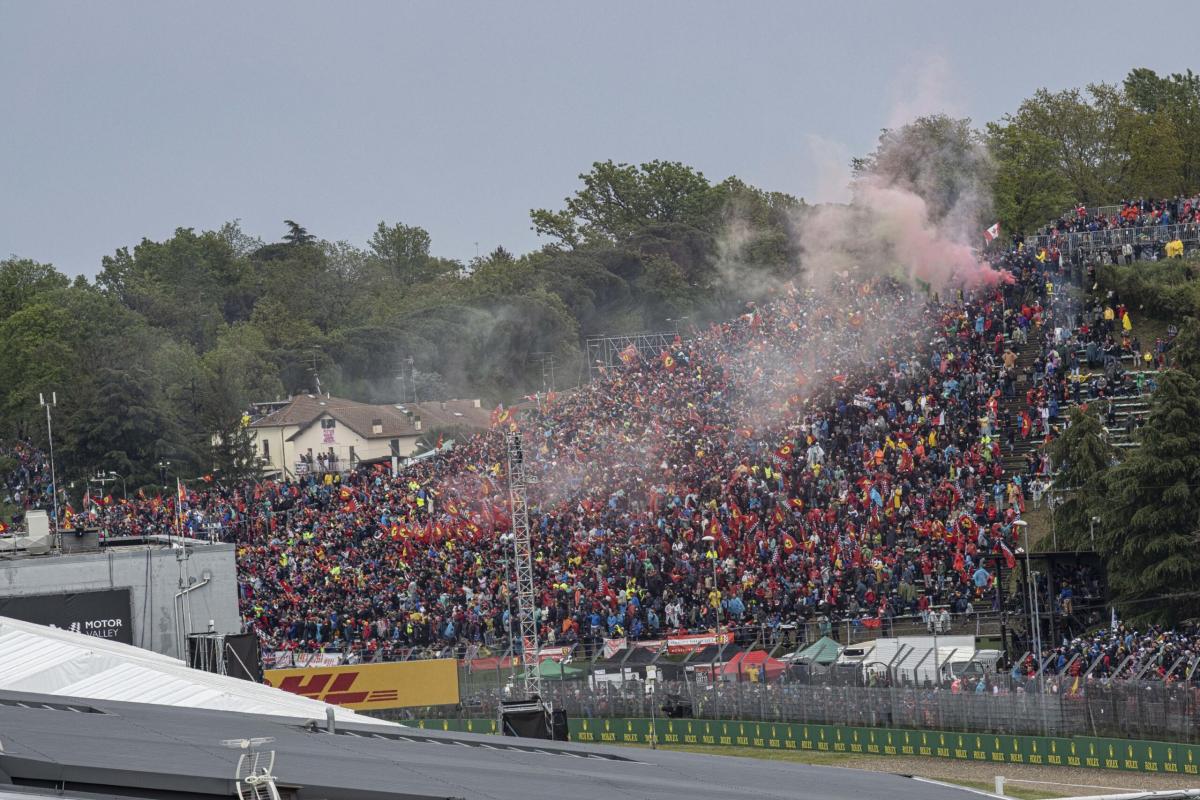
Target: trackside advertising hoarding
365,687
1123,755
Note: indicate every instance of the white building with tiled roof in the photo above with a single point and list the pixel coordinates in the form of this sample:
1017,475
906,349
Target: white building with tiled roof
312,431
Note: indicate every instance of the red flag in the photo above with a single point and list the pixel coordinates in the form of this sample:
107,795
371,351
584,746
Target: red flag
789,544
777,516
796,503
668,361
1010,560
991,233
714,528
785,450
1026,424
628,355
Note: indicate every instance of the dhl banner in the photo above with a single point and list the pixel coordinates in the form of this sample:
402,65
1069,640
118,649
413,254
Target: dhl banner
1128,755
363,687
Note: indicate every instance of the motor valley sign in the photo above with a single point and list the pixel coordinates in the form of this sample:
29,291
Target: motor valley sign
105,613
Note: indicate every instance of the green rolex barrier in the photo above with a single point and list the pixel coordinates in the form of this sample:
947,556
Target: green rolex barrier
1079,751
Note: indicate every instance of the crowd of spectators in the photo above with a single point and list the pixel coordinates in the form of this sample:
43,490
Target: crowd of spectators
836,472
26,476
1118,651
1142,212
1142,229
814,459
810,458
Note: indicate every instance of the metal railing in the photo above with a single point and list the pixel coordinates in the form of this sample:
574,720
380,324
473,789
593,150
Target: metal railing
790,635
1143,235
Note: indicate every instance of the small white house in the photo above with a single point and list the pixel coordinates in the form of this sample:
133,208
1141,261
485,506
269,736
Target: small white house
311,430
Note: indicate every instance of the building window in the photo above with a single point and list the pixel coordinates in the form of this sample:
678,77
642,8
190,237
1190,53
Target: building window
328,423
266,450
352,457
395,446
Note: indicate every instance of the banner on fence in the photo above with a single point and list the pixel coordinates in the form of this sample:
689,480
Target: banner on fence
284,659
614,646
553,653
1128,755
396,684
678,645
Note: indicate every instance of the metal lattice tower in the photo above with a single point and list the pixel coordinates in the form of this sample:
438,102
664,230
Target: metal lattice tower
604,351
523,560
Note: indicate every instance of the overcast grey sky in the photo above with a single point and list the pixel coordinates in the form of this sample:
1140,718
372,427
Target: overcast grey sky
124,120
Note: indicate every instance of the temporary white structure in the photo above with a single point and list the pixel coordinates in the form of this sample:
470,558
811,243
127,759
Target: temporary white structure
45,660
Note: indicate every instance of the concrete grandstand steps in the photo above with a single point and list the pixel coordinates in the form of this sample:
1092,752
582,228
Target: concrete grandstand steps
1014,458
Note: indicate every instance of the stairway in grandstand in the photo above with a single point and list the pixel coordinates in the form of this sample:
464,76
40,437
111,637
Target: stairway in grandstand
1014,459
1119,434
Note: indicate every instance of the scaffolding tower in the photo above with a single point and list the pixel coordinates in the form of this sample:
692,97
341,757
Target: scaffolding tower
604,352
523,566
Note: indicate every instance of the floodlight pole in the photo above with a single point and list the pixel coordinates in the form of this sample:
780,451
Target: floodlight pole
523,565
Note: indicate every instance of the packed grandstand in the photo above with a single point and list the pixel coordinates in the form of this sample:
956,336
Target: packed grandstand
811,464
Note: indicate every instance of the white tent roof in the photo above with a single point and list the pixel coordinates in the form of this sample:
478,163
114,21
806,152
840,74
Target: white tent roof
45,660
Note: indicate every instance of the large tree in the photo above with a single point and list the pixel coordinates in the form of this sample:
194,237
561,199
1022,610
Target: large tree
1082,136
1081,458
617,200
1177,98
403,250
1151,522
941,159
1029,188
22,280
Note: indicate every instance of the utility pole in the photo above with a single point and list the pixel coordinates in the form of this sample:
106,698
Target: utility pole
1035,624
53,476
523,566
412,374
547,360
313,369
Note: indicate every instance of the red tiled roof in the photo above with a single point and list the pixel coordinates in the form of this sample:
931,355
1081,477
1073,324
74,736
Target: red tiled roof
306,409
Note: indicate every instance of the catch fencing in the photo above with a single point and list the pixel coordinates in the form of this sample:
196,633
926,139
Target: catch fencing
1059,705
